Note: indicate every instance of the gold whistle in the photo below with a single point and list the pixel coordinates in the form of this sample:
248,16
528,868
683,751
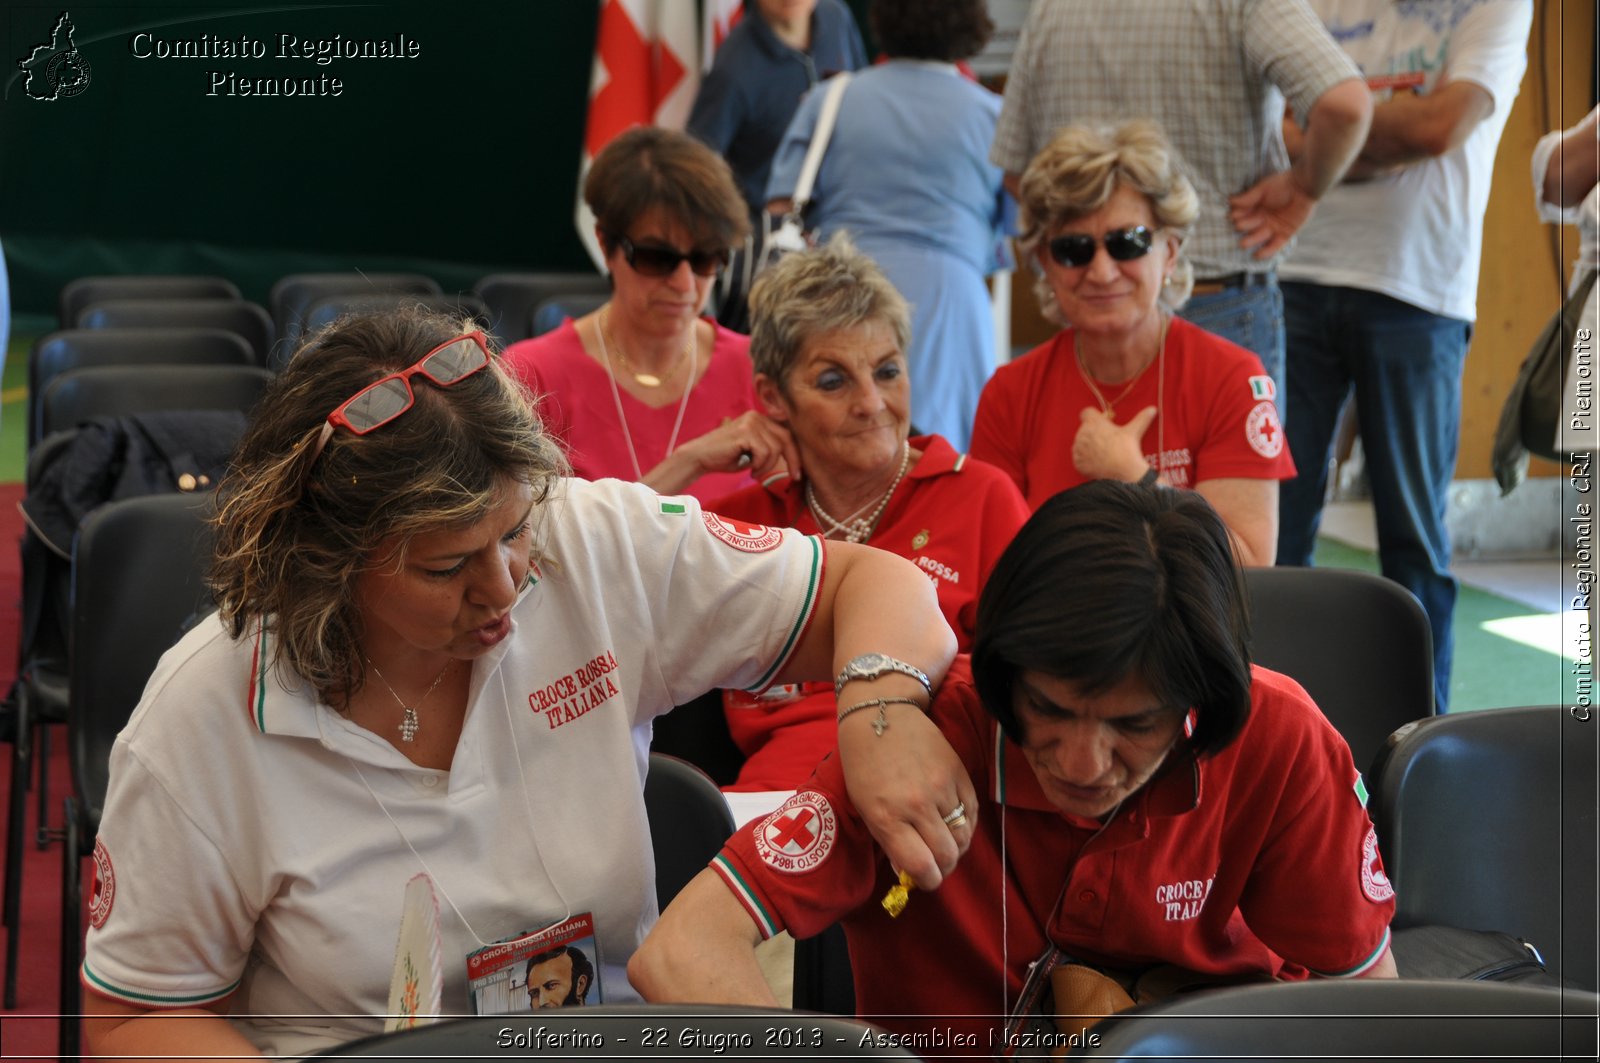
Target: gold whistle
894,902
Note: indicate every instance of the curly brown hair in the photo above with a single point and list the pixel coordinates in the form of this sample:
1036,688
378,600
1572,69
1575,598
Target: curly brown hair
946,31
295,527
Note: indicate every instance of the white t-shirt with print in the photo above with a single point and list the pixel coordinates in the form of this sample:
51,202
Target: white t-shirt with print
1417,235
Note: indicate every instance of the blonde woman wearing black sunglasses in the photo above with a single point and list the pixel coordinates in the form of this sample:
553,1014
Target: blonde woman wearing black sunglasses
437,654
645,388
1128,391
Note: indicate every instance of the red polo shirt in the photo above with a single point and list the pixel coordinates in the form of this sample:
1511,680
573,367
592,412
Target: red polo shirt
951,516
1259,859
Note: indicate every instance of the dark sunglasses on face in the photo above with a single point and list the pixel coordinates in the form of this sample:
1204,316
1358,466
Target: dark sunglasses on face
1124,245
656,261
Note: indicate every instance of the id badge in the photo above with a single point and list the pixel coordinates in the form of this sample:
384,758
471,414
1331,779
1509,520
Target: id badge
556,967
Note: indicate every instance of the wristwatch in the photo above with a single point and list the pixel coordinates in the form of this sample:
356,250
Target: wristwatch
873,665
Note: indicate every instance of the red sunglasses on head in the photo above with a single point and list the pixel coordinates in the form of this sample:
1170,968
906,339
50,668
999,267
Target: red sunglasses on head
387,398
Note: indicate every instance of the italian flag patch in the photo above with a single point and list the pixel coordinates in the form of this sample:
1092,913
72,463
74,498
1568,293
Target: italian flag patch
673,509
1262,387
1361,790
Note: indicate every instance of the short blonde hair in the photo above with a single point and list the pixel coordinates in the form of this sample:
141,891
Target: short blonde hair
1079,171
810,293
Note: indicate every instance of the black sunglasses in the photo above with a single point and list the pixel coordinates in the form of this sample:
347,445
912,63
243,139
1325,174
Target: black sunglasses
1124,245
663,261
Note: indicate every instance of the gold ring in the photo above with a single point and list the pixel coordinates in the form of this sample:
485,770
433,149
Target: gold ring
957,816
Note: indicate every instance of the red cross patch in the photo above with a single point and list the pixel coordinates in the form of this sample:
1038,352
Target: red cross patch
1374,883
742,535
799,835
1264,431
104,889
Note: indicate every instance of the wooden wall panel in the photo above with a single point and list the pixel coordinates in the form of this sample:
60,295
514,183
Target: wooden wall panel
1525,262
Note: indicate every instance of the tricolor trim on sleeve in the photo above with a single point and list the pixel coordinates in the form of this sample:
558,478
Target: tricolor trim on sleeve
256,693
746,896
807,609
179,1000
1365,965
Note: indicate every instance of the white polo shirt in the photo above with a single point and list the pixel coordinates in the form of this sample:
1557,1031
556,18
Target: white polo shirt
255,840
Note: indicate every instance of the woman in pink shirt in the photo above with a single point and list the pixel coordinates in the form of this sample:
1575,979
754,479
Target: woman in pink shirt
645,388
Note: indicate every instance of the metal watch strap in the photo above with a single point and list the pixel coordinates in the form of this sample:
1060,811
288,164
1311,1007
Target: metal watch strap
873,665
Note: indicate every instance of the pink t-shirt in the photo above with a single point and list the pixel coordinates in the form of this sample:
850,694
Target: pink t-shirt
576,404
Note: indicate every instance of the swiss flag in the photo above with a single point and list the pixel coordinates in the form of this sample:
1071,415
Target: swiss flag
646,72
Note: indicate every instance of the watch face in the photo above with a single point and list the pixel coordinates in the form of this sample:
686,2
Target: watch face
868,661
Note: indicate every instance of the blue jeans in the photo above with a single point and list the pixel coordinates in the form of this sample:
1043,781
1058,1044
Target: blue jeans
1250,317
1404,365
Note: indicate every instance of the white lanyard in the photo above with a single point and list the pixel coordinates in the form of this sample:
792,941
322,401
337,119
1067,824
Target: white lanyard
522,777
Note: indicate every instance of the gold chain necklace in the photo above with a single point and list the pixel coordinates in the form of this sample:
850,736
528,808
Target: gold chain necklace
408,725
645,380
1105,405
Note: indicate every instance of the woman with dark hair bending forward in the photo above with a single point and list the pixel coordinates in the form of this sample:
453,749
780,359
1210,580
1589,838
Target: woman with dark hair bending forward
435,654
1148,798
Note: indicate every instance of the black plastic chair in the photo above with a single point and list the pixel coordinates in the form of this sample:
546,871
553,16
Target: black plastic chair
249,321
328,310
512,298
1365,1019
689,822
1487,821
73,349
78,294
823,979
1358,643
41,692
138,576
293,297
74,397
697,731
551,312
38,699
632,1031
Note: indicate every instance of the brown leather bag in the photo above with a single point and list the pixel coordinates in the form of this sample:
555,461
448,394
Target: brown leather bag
1082,996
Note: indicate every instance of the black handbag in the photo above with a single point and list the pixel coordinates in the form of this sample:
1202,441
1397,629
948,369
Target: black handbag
772,237
1530,420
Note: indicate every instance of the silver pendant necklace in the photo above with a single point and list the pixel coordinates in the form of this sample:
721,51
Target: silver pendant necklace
408,723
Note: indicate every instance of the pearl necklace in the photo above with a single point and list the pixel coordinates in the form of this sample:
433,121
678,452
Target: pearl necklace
408,725
857,529
645,380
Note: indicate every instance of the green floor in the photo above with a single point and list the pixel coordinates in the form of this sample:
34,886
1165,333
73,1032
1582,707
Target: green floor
1490,671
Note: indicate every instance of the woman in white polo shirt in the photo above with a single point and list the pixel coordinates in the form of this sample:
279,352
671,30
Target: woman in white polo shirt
435,654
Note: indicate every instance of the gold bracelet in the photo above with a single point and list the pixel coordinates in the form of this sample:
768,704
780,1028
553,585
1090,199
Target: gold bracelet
881,724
